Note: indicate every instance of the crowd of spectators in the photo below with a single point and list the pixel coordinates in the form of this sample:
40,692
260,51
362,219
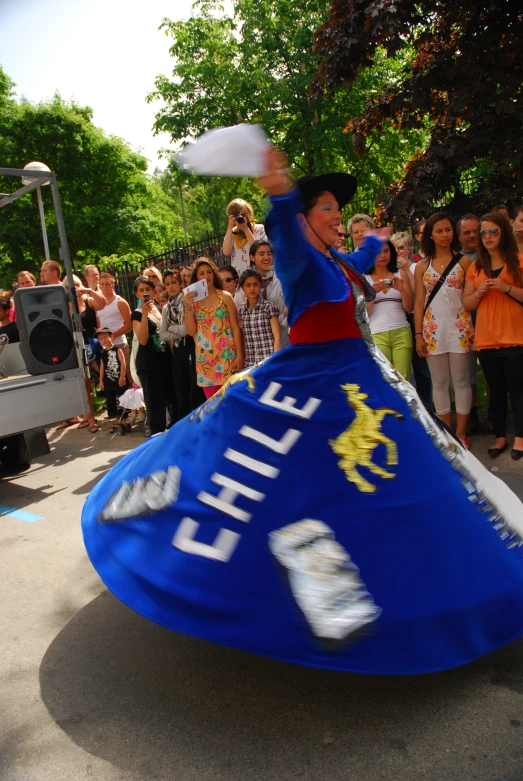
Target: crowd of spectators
446,296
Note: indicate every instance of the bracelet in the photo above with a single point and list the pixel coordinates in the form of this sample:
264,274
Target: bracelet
507,292
418,333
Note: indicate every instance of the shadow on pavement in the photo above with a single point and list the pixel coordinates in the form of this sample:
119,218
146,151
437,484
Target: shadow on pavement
159,705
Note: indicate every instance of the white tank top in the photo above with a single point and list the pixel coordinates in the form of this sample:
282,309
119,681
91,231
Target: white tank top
387,314
111,317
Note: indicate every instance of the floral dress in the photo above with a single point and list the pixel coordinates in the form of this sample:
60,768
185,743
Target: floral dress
447,326
215,349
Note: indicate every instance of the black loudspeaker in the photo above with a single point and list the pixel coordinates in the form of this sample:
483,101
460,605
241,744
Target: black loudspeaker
46,329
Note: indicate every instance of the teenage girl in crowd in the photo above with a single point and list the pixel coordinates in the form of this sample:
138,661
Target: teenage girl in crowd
173,331
258,318
213,321
153,359
388,312
494,288
444,330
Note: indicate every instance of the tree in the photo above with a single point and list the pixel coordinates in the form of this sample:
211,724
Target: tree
464,83
258,65
205,199
111,206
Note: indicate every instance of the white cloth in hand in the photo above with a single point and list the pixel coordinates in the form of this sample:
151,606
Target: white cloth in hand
227,151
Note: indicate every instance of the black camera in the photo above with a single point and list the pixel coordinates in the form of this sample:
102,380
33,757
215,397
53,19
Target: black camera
240,218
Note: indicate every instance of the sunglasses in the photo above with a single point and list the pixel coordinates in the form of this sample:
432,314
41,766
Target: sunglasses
342,235
228,279
489,232
401,246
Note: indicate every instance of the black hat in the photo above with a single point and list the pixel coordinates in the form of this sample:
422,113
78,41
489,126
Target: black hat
103,330
342,186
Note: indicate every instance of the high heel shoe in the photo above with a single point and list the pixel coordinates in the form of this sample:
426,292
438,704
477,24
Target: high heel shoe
494,452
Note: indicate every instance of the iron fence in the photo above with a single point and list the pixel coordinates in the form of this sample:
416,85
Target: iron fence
183,254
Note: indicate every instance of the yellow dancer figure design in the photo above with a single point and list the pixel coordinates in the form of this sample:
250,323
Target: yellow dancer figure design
357,444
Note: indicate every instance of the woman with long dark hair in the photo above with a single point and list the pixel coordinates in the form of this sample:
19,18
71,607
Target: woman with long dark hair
494,288
153,359
213,321
388,312
444,329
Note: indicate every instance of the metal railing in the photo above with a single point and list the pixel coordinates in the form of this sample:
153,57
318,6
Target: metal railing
183,254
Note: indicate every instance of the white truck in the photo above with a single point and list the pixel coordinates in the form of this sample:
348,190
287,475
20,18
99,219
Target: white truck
30,401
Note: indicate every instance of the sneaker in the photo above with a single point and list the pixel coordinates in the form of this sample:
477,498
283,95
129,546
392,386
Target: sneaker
140,417
465,442
131,420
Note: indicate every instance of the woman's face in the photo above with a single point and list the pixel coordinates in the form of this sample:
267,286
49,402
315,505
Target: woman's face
252,288
158,290
186,274
324,219
228,281
24,280
490,240
172,286
206,272
383,259
517,226
419,233
143,290
402,250
442,234
358,232
152,276
263,259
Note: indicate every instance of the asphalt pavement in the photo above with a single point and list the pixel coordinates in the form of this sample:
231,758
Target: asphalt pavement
90,690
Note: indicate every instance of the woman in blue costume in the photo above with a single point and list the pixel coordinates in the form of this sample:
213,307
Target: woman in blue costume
312,511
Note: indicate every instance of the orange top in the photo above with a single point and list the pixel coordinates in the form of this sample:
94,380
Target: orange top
499,321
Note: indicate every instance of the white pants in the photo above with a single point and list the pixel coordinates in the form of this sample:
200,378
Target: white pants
444,367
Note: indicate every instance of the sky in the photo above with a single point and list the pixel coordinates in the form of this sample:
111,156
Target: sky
103,53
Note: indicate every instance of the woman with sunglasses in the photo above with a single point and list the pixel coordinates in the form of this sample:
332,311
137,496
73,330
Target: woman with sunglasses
494,287
229,277
153,275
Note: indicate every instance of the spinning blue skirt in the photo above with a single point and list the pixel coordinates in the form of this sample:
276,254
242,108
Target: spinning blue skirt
312,510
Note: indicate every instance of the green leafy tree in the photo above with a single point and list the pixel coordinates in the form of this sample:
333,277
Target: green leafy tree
464,83
111,206
258,65
205,199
